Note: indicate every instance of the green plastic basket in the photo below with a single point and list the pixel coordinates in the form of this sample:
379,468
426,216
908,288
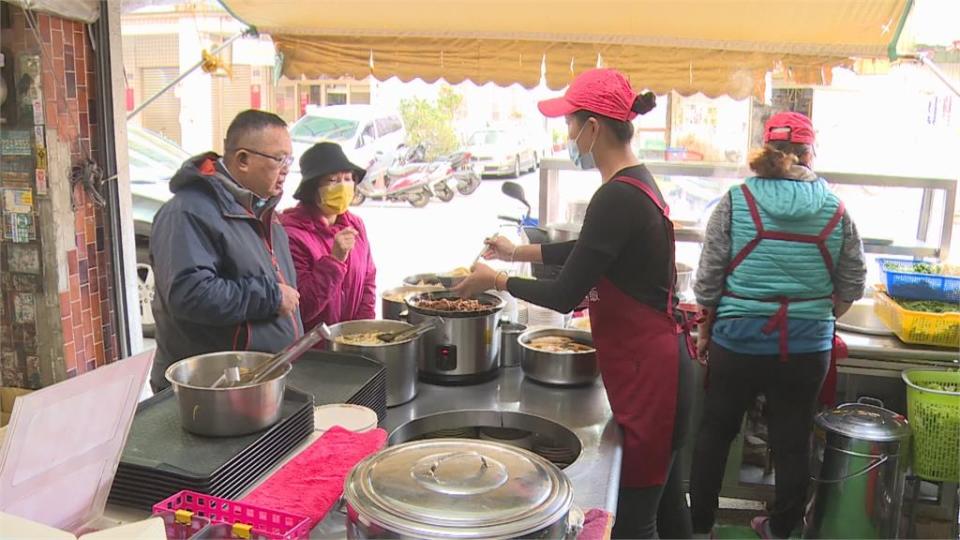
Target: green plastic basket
935,422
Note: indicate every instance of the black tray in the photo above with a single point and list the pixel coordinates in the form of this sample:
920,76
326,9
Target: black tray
341,378
149,481
144,493
157,441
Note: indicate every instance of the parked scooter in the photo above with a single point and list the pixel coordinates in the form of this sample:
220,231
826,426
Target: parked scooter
379,184
532,233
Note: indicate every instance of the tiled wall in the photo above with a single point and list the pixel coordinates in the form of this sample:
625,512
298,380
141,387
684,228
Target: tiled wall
68,85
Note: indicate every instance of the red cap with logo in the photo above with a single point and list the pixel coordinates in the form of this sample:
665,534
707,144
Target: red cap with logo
790,127
603,91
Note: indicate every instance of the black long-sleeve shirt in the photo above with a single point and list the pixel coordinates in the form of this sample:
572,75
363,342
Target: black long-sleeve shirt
624,238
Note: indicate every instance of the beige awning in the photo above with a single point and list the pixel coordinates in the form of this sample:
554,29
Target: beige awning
711,46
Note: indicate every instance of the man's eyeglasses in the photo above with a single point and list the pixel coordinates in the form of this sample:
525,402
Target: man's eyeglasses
283,161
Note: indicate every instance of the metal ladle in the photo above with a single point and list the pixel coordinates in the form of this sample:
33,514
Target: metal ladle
416,331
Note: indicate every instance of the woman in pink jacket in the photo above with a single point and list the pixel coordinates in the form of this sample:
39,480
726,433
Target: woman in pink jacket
335,272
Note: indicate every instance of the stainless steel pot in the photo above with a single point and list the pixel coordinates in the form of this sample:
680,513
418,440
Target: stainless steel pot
451,488
510,351
563,232
465,348
230,411
392,304
400,358
560,368
859,468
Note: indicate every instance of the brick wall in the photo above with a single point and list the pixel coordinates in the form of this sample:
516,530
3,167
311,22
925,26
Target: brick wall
85,298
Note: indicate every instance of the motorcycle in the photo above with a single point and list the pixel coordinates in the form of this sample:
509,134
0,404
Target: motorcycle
457,166
384,181
530,230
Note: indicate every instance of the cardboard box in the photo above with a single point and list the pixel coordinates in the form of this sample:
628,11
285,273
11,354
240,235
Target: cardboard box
8,394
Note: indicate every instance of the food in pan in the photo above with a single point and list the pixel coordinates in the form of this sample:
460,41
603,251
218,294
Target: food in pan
453,305
457,272
363,338
394,297
559,344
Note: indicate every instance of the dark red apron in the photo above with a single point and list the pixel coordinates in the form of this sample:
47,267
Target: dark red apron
638,358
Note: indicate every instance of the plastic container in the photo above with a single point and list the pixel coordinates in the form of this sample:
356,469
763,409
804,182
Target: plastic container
246,521
935,422
910,285
917,327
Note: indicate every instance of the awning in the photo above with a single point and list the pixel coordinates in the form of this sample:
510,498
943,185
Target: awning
711,46
87,11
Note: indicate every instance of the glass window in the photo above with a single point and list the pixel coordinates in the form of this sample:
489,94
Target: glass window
388,125
312,128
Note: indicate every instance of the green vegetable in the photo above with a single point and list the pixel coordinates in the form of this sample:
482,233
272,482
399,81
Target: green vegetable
921,268
943,387
929,306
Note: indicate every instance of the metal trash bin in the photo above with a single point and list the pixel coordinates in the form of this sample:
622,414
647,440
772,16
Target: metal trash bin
859,469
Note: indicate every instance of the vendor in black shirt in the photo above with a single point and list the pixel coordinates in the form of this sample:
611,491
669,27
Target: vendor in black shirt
623,262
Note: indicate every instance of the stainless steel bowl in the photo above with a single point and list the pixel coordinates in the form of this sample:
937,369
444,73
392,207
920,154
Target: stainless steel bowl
226,412
566,369
399,358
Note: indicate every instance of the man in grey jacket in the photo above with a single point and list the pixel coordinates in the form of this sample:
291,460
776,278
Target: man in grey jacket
224,275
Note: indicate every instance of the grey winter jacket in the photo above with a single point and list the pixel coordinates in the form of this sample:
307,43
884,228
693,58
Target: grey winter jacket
217,267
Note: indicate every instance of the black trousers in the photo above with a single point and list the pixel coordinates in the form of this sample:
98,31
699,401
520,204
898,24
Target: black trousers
792,388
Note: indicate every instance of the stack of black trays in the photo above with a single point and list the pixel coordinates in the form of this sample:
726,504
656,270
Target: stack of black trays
160,458
342,378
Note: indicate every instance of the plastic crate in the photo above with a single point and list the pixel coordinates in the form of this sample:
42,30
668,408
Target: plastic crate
910,285
246,521
935,423
917,327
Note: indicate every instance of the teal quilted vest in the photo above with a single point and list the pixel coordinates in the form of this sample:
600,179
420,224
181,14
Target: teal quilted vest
782,268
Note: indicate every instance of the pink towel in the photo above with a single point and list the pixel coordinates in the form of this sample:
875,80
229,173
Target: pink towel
311,483
597,525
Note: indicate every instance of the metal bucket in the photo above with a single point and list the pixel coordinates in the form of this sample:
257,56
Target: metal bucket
859,468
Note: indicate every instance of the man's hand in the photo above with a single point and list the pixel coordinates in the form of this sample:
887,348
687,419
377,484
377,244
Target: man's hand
289,300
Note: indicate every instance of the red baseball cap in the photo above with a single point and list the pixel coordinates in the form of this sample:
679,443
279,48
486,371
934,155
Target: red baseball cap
791,127
602,91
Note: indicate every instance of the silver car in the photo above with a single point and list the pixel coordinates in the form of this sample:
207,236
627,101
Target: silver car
498,152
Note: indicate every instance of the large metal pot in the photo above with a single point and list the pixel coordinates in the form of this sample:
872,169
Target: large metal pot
451,488
392,301
859,469
559,368
226,412
400,358
465,348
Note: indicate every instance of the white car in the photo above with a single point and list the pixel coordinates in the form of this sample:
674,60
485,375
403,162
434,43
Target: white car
502,151
362,130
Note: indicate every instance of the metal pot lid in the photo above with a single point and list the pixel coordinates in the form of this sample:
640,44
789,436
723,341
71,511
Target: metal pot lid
865,422
459,489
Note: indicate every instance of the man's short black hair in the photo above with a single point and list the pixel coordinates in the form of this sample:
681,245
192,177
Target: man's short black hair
247,122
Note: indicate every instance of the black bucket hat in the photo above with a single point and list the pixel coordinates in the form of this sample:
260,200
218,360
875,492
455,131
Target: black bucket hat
320,160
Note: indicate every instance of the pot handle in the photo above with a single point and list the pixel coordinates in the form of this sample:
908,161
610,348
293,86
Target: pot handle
436,464
867,400
575,521
869,468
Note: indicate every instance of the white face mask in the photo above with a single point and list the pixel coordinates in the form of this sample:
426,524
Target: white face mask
583,161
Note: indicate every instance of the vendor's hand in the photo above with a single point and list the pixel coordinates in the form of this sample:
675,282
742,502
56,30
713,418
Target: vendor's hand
483,278
703,344
289,300
499,248
343,243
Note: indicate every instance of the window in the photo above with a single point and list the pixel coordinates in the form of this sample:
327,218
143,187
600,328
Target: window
388,125
313,128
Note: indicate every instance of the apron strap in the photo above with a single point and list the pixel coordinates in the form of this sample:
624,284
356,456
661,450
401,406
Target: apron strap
665,212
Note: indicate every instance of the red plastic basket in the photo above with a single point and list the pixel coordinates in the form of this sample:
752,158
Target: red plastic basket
247,521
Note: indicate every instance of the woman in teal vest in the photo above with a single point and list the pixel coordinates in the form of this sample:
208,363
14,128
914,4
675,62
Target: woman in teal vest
781,259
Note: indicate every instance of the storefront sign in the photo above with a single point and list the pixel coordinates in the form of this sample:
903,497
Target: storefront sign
24,308
16,142
19,228
42,187
23,259
38,112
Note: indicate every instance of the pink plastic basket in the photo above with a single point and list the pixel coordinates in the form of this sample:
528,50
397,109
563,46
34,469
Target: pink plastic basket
248,521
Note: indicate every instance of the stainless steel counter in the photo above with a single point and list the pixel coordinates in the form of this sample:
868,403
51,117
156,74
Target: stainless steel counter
585,411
